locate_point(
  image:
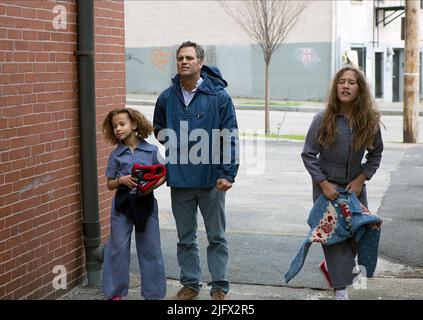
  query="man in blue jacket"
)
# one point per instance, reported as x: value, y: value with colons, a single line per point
x: 195, y: 119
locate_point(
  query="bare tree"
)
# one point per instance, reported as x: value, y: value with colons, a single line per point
x: 266, y: 22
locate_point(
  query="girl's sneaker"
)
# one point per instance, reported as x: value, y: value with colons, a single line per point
x: 116, y: 298
x: 325, y: 273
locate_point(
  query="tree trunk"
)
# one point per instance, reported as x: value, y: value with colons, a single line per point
x: 411, y: 72
x: 266, y: 100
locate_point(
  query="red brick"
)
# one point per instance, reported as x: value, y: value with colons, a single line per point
x: 31, y: 77
x: 47, y: 257
x: 6, y: 188
x: 42, y: 57
x: 10, y: 199
x: 12, y: 264
x: 14, y: 34
x: 7, y: 22
x: 25, y: 88
x: 19, y: 272
x: 15, y: 100
x: 19, y: 250
x: 30, y: 98
x: 19, y: 217
x: 22, y: 24
x: 36, y: 25
x: 29, y: 236
x: 35, y: 45
x: 34, y: 129
x: 24, y: 68
x: 33, y: 244
x: 42, y: 216
x: 56, y: 36
x: 5, y: 278
x: 33, y: 140
x: 29, y: 35
x: 25, y: 226
x: 14, y: 11
x: 31, y: 119
x: 43, y: 36
x: 9, y: 68
x: 32, y: 266
x: 39, y: 87
x: 14, y: 122
x: 4, y: 234
x: 29, y: 276
x: 50, y: 46
x: 29, y: 13
x: 10, y: 89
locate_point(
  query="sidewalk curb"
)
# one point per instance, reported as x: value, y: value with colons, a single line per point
x: 274, y: 108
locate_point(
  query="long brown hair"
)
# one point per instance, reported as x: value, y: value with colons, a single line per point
x: 366, y: 118
x: 143, y: 130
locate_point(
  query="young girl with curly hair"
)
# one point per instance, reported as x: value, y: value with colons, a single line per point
x: 128, y: 129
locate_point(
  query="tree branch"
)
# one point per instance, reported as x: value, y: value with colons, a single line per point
x: 266, y: 22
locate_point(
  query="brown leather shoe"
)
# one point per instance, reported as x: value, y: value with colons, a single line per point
x: 186, y: 294
x: 218, y: 295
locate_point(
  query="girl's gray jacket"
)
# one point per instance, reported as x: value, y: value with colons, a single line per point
x: 339, y: 163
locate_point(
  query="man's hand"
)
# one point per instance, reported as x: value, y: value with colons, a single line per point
x: 329, y: 190
x: 356, y: 185
x: 223, y: 185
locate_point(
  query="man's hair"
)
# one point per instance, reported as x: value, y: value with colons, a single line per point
x: 198, y: 50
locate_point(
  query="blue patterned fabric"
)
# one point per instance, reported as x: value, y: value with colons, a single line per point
x: 335, y: 221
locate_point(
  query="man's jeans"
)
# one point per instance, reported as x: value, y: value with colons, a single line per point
x: 211, y: 202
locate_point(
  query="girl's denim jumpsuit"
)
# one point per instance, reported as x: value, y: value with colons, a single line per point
x: 118, y: 249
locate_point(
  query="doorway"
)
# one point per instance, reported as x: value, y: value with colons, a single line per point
x: 379, y: 75
x: 398, y: 75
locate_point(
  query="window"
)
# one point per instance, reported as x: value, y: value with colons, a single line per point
x: 361, y: 55
x: 379, y: 74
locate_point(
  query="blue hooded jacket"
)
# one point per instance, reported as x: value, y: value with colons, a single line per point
x: 196, y: 160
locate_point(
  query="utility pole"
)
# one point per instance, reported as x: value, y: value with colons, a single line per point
x: 411, y: 72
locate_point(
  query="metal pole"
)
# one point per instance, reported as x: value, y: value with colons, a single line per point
x: 86, y: 77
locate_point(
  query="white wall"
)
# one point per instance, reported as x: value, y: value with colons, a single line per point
x: 167, y: 23
x: 354, y: 21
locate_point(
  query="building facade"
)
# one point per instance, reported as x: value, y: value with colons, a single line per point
x: 40, y: 177
x: 326, y: 33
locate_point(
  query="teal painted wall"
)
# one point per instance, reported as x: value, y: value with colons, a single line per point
x: 299, y: 71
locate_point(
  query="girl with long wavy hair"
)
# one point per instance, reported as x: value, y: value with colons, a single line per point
x: 337, y: 141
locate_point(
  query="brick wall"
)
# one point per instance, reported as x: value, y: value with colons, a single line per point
x: 40, y: 193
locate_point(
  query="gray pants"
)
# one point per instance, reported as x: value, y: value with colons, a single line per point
x: 340, y: 257
x: 211, y: 202
x: 340, y: 263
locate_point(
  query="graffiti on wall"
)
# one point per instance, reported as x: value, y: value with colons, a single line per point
x: 308, y: 56
x: 160, y: 58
